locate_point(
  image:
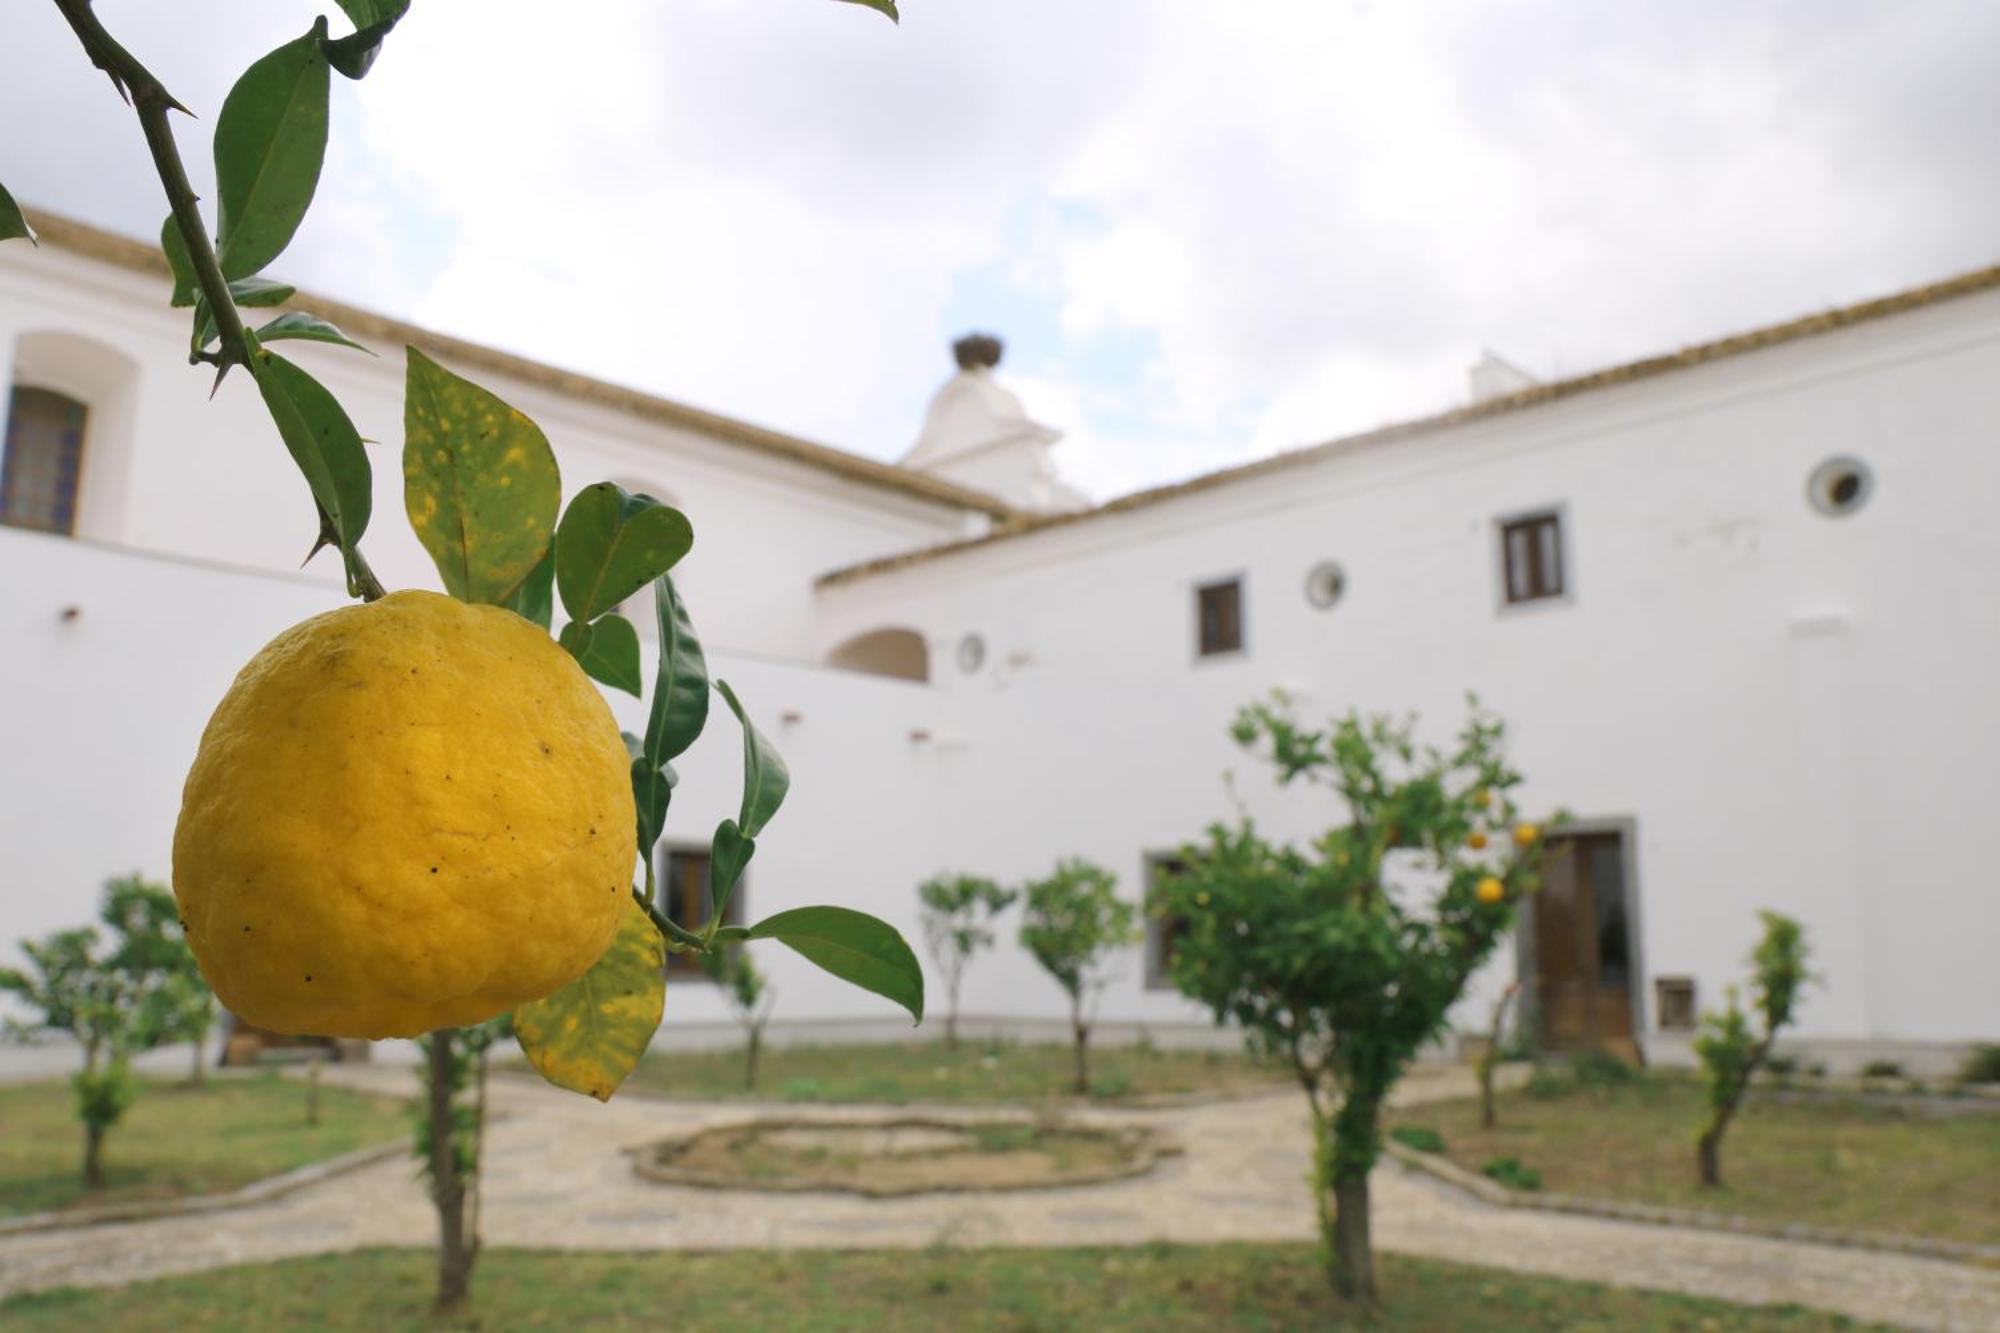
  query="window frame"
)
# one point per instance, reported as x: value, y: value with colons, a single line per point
x: 69, y: 462
x: 685, y: 966
x: 1556, y: 514
x: 1198, y: 588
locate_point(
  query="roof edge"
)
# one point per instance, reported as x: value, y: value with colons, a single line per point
x: 92, y: 242
x: 1687, y: 358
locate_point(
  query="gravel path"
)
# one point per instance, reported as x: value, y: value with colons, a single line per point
x: 557, y: 1177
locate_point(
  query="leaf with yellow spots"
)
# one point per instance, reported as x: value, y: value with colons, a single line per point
x: 590, y: 1034
x: 479, y: 482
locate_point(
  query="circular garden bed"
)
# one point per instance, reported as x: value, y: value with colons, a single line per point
x: 902, y: 1155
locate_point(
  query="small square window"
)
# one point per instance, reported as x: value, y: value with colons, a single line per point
x: 686, y: 892
x: 1673, y: 1001
x: 1531, y: 557
x: 1162, y: 932
x: 1219, y: 617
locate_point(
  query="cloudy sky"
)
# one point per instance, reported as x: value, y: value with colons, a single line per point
x: 1207, y: 231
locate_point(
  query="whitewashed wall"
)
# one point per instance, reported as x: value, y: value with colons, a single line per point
x: 167, y: 469
x: 1799, y: 712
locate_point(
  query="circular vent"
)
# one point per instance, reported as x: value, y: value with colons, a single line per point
x: 1840, y: 486
x: 1325, y: 582
x: 971, y: 653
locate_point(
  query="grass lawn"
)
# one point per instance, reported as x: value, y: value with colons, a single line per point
x: 1837, y: 1163
x: 178, y: 1139
x: 1156, y: 1288
x: 926, y: 1072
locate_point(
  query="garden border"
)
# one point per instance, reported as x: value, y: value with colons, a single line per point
x: 1451, y: 1173
x: 256, y: 1192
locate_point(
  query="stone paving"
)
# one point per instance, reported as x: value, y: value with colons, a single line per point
x: 558, y: 1176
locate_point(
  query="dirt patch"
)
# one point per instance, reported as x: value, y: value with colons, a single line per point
x: 904, y: 1155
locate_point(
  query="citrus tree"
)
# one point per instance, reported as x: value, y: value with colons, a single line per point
x: 378, y: 838
x: 1342, y: 957
x: 958, y: 912
x: 750, y: 998
x: 1074, y: 923
x: 178, y: 1005
x: 1730, y: 1051
x: 107, y: 991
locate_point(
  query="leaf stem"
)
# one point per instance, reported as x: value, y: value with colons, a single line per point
x: 675, y: 934
x: 150, y: 99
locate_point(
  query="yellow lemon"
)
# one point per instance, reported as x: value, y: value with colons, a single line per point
x: 403, y: 816
x: 1476, y: 841
x: 1491, y: 890
x: 1525, y: 835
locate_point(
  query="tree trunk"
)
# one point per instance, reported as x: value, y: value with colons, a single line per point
x: 1353, y: 1248
x: 93, y: 1156
x: 1082, y: 1031
x: 199, y: 1073
x: 951, y: 1020
x: 1708, y: 1156
x: 312, y: 1090
x: 750, y: 1059
x: 454, y: 1273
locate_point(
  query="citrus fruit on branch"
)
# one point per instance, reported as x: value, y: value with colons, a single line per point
x: 405, y: 815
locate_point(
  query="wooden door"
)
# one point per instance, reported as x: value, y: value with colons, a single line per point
x: 1583, y: 976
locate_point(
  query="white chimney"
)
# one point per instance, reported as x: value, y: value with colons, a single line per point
x: 977, y: 434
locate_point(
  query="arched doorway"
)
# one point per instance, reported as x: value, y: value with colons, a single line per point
x: 900, y: 654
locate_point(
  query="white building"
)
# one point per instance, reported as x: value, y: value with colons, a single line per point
x: 1737, y: 605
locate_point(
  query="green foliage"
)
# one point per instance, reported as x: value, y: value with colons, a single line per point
x: 175, y: 1004
x: 103, y: 1096
x: 465, y: 1073
x: 611, y: 544
x: 765, y: 782
x: 1983, y: 1065
x: 957, y: 912
x: 852, y: 945
x: 750, y: 997
x: 1601, y: 1069
x: 354, y: 54
x: 1510, y: 1172
x: 269, y: 142
x: 325, y: 445
x: 14, y: 226
x: 1418, y: 1137
x: 480, y: 483
x: 1073, y: 922
x: 608, y: 649
x: 1729, y: 1049
x: 1320, y: 953
x: 1882, y: 1069
x: 887, y: 7
x: 297, y: 324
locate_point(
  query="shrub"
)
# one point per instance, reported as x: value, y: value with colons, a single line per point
x: 1549, y: 1082
x: 1111, y: 1085
x: 1730, y: 1051
x: 1418, y: 1137
x: 1983, y: 1065
x: 1508, y: 1171
x: 1882, y: 1069
x: 1601, y: 1069
x: 1782, y: 1066
x: 1073, y: 923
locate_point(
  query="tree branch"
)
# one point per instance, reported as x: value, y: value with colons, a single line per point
x: 673, y: 932
x: 150, y: 99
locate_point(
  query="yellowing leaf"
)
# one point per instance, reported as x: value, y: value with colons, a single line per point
x: 590, y: 1034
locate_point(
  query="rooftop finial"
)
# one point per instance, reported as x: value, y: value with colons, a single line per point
x: 976, y: 350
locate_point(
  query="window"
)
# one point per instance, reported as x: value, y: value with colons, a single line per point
x: 43, y: 459
x: 1162, y: 932
x: 1532, y: 557
x: 1219, y: 618
x: 1673, y: 1000
x: 687, y: 895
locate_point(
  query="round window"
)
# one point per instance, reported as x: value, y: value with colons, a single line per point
x: 1840, y: 486
x: 971, y: 653
x: 1325, y: 582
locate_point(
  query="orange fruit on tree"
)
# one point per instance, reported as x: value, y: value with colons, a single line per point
x: 1491, y: 891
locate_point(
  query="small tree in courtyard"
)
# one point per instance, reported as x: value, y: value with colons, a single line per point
x: 1072, y: 922
x: 750, y: 996
x: 177, y: 1004
x: 109, y: 995
x: 450, y: 1138
x: 958, y: 911
x: 1730, y: 1051
x: 1337, y: 959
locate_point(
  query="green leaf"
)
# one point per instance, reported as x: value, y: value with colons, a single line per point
x: 652, y: 791
x: 607, y: 648
x: 612, y: 544
x: 590, y: 1034
x: 269, y: 143
x: 298, y: 324
x: 728, y: 853
x: 479, y: 483
x: 322, y: 441
x: 353, y: 54
x: 261, y: 292
x: 765, y: 777
x: 535, y: 598
x: 12, y: 224
x: 880, y: 7
x: 680, y: 688
x: 853, y: 946
x: 176, y: 252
